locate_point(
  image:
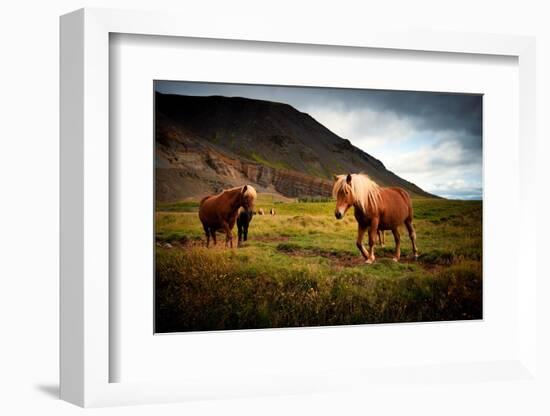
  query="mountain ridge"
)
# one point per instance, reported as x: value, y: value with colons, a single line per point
x: 207, y: 143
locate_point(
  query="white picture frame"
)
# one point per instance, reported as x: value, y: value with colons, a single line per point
x: 85, y: 265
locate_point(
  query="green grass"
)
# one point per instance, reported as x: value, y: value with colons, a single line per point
x: 277, y: 165
x: 301, y: 268
x: 184, y: 206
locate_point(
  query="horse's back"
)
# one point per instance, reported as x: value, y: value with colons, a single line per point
x: 402, y: 193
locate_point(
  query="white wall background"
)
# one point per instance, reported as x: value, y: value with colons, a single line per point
x: 29, y: 206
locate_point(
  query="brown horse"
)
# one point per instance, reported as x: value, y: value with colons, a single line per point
x: 219, y: 212
x: 376, y: 209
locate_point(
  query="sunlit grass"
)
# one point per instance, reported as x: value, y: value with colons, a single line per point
x: 301, y: 268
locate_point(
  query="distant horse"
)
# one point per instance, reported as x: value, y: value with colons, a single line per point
x: 376, y: 209
x: 261, y: 211
x: 272, y: 211
x: 219, y: 212
x: 244, y: 217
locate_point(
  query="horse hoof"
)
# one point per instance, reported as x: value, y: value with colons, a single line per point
x: 369, y: 261
x: 395, y: 259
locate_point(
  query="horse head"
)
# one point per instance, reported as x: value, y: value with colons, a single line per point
x: 248, y: 197
x: 343, y: 192
x: 357, y: 190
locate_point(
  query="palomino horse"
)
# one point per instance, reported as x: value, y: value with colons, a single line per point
x: 244, y: 217
x: 219, y: 212
x: 376, y: 209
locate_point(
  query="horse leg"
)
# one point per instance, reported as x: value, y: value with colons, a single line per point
x: 373, y: 232
x: 412, y: 235
x: 397, y: 239
x: 245, y: 232
x: 381, y: 238
x: 229, y: 236
x: 213, y: 234
x: 207, y: 232
x: 240, y: 232
x: 360, y: 235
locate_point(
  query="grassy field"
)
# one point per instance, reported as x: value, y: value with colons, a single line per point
x: 301, y: 268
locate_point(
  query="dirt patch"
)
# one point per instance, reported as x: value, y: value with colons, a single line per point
x: 181, y: 242
x: 346, y: 259
x: 188, y: 242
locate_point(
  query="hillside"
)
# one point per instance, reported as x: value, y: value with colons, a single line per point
x: 205, y: 144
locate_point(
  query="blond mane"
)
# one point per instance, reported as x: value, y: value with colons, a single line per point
x: 250, y: 193
x: 365, y: 192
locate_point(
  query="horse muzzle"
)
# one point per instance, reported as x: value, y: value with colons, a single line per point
x: 338, y: 215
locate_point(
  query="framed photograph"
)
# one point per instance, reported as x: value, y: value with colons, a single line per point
x: 272, y: 214
x: 266, y: 162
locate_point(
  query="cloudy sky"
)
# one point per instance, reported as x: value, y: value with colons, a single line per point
x: 431, y: 139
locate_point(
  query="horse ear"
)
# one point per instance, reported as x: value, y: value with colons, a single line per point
x: 348, y: 178
x: 335, y: 177
x: 244, y: 188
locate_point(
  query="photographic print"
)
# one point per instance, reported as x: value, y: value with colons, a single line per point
x: 288, y: 206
